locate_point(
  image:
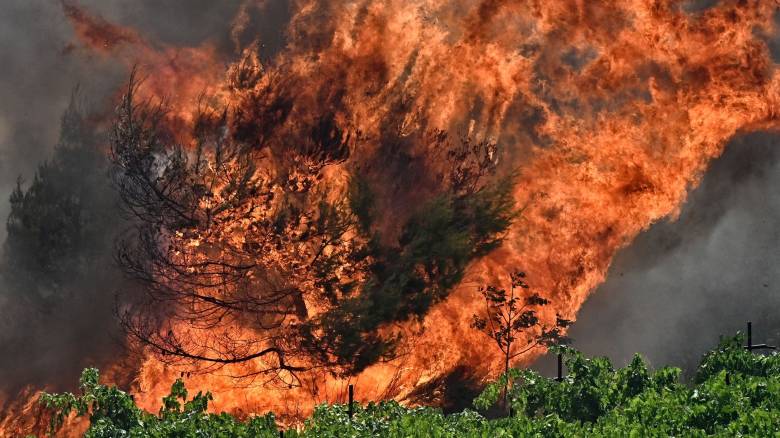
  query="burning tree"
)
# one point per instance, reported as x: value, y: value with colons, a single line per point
x: 511, y: 318
x: 253, y: 253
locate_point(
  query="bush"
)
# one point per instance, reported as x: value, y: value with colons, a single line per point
x: 594, y: 399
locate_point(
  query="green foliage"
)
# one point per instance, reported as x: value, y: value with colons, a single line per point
x: 361, y: 202
x: 113, y: 413
x: 593, y: 400
x: 730, y: 355
x: 404, y: 279
x: 598, y: 400
x: 591, y: 389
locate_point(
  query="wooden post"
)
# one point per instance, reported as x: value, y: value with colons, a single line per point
x: 560, y: 367
x: 350, y: 409
x: 750, y: 345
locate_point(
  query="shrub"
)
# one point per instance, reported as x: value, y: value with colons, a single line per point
x: 594, y: 399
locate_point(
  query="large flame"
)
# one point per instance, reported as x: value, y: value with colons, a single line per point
x: 609, y: 111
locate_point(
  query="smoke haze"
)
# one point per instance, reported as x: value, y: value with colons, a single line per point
x: 42, y: 66
x: 683, y: 283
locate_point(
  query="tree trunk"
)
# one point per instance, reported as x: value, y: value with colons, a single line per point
x: 506, y: 387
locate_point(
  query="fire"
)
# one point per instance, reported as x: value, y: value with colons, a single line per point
x: 182, y: 76
x: 610, y: 112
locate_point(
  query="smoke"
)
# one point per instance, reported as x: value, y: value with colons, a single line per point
x: 43, y: 64
x: 697, y: 6
x: 35, y: 86
x: 685, y: 282
x: 36, y: 83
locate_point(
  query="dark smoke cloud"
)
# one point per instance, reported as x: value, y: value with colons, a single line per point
x: 682, y: 284
x: 696, y: 6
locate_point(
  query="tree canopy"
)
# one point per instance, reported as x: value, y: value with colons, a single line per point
x: 251, y: 250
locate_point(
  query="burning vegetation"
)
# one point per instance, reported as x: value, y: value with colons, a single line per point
x: 274, y: 256
x: 325, y: 216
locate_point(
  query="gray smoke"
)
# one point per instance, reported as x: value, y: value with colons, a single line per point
x: 40, y: 69
x: 682, y: 284
x: 42, y: 64
x: 36, y: 81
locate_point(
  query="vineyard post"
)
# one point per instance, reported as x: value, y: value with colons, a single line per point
x: 560, y: 367
x: 750, y: 345
x: 350, y: 409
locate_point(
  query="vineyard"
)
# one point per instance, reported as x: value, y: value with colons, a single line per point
x: 734, y: 392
